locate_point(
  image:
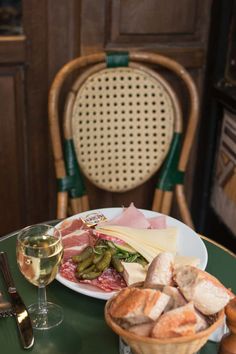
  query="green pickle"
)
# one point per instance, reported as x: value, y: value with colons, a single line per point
x: 97, y: 258
x: 87, y: 252
x: 104, y: 262
x: 85, y: 263
x: 91, y: 275
x: 117, y: 264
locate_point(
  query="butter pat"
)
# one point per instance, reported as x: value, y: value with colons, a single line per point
x: 133, y: 273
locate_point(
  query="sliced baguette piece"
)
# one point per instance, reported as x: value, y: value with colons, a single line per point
x: 176, y: 323
x: 135, y: 306
x: 160, y: 271
x: 207, y: 293
x: 142, y: 329
x: 202, y: 322
x: 176, y: 298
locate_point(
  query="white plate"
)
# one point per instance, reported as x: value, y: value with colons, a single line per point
x: 189, y: 244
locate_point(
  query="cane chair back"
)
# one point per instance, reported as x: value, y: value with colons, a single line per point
x: 122, y: 122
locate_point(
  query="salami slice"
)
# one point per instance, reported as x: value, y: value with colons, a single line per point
x: 110, y: 280
x: 67, y: 271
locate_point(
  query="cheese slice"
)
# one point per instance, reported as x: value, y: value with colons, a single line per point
x: 149, y: 242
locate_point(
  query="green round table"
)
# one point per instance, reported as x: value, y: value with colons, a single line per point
x: 84, y: 330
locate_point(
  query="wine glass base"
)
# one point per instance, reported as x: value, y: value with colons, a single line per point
x: 45, y: 318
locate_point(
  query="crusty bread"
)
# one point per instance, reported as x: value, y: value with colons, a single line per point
x: 207, y: 293
x: 175, y: 323
x: 176, y: 298
x: 143, y: 329
x: 135, y: 306
x: 202, y: 322
x: 160, y: 271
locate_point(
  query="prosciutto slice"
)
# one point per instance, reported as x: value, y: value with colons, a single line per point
x: 69, y: 226
x: 76, y: 238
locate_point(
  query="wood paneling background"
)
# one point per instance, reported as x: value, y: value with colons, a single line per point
x: 55, y: 32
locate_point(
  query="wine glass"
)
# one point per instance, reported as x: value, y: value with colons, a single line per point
x: 39, y: 252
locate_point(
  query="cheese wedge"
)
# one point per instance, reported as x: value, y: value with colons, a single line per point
x: 133, y: 273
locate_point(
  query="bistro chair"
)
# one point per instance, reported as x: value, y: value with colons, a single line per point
x: 122, y: 123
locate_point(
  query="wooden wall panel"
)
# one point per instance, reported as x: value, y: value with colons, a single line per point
x: 13, y: 190
x: 137, y: 18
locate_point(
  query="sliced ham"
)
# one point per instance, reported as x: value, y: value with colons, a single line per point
x: 131, y: 217
x: 158, y: 222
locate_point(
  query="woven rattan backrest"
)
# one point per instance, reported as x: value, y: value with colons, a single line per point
x: 122, y: 124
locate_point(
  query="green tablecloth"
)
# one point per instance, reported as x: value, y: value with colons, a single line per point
x: 84, y: 330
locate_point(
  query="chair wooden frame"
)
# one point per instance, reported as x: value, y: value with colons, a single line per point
x: 162, y: 199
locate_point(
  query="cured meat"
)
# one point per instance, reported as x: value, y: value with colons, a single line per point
x: 131, y: 217
x: 158, y: 222
x: 69, y: 226
x: 110, y: 280
x: 109, y: 238
x: 67, y: 271
x: 76, y: 238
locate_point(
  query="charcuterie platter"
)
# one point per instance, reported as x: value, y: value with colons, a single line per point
x: 142, y: 231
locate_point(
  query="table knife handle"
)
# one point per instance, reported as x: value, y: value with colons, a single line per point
x: 4, y: 265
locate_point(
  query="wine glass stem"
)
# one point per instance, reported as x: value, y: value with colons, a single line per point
x: 42, y: 299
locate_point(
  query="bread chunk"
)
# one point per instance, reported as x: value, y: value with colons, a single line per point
x: 176, y: 298
x: 135, y: 306
x: 160, y: 271
x: 142, y: 329
x: 207, y: 293
x: 175, y: 323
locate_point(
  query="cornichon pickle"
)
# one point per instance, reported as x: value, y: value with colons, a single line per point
x: 91, y: 275
x: 87, y: 252
x: 117, y: 264
x: 86, y: 270
x: 104, y: 262
x: 97, y: 258
x: 85, y: 263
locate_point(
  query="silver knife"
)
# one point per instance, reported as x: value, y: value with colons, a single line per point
x: 20, y: 311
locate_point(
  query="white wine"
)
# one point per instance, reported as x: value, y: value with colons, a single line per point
x: 39, y: 258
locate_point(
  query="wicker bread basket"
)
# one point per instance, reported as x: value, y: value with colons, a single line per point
x: 148, y: 345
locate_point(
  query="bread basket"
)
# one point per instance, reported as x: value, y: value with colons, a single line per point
x: 178, y: 345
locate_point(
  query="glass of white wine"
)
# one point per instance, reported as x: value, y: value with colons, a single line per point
x: 39, y: 252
